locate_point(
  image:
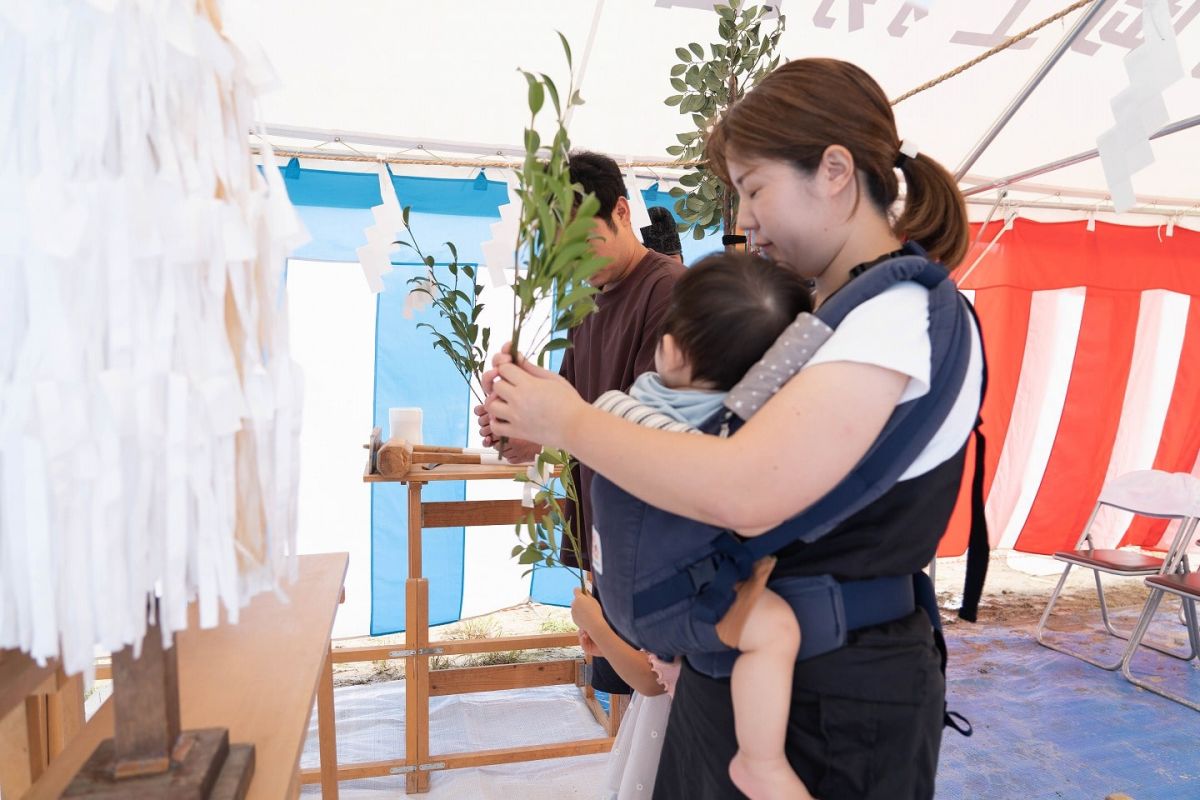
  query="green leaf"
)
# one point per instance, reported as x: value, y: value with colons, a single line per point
x: 725, y: 11
x: 404, y: 213
x: 697, y: 49
x: 516, y: 550
x: 675, y: 150
x: 552, y: 90
x: 429, y: 262
x: 566, y: 47
x: 698, y: 233
x: 537, y: 97
x: 678, y: 85
x: 674, y: 99
x: 683, y: 54
x: 532, y: 140
x: 678, y: 70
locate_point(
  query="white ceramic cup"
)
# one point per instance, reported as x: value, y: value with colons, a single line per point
x: 405, y: 423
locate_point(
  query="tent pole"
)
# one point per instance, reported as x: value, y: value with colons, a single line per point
x: 1155, y: 211
x: 1079, y: 27
x: 587, y: 54
x: 1078, y: 158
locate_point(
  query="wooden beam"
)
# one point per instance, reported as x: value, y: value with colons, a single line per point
x: 501, y: 644
x: 455, y: 647
x: 513, y: 755
x: 482, y: 758
x: 503, y: 676
x: 476, y: 512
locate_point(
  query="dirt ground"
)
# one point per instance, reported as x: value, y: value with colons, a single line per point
x: 1014, y: 596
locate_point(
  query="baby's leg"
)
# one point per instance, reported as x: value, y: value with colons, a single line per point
x: 762, y: 688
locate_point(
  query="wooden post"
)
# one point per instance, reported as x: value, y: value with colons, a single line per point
x: 148, y: 755
x: 147, y: 712
x: 416, y: 638
x: 327, y: 732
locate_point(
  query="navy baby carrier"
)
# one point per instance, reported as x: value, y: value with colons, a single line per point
x: 667, y: 580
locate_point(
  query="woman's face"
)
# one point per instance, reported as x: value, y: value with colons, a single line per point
x: 798, y: 220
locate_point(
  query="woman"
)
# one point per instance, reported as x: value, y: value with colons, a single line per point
x: 813, y: 153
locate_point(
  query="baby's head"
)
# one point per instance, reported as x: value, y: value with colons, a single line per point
x: 725, y: 313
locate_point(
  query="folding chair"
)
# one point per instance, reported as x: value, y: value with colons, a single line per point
x: 1184, y: 584
x: 1147, y: 493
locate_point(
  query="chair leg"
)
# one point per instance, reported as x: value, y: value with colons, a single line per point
x: 1041, y: 628
x: 1043, y: 640
x: 1143, y: 625
x: 1104, y: 608
x: 1193, y: 629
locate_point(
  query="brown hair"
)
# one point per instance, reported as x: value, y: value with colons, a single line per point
x: 807, y: 105
x: 728, y: 309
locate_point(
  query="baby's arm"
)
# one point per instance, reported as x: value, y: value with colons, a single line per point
x: 630, y: 663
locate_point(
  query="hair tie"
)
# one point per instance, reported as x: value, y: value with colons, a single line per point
x: 907, y: 150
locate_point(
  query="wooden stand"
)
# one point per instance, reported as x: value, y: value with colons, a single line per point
x: 149, y: 756
x: 418, y: 762
x: 259, y: 678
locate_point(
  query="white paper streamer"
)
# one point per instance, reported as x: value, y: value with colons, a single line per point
x: 639, y: 216
x: 148, y: 406
x: 1139, y: 109
x: 498, y: 251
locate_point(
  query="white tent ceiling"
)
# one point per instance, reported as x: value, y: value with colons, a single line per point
x: 430, y: 71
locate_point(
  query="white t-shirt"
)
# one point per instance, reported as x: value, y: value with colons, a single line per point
x: 891, y: 330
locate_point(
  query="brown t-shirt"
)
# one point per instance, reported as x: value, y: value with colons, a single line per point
x: 615, y: 345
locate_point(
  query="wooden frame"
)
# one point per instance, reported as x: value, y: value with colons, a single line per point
x: 36, y: 726
x: 422, y: 684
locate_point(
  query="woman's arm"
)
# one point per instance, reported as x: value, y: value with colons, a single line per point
x: 800, y: 445
x: 630, y: 663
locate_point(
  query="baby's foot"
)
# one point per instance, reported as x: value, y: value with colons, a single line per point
x: 767, y: 778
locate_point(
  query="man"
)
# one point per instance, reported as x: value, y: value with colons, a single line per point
x: 615, y: 344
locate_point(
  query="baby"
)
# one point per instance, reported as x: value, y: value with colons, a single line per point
x: 725, y: 313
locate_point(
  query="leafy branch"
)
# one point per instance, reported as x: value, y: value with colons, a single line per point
x: 554, y: 240
x: 555, y: 227
x: 540, y: 542
x: 467, y: 343
x: 706, y: 91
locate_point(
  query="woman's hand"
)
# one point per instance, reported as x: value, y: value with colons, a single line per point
x: 528, y: 402
x: 586, y: 613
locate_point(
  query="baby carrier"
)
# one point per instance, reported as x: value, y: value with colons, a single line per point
x: 667, y: 580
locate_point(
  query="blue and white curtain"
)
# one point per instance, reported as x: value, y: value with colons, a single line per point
x: 470, y: 571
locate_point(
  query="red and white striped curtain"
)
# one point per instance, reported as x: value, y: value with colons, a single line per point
x: 1093, y: 346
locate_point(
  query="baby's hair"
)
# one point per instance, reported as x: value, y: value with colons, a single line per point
x: 727, y: 311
